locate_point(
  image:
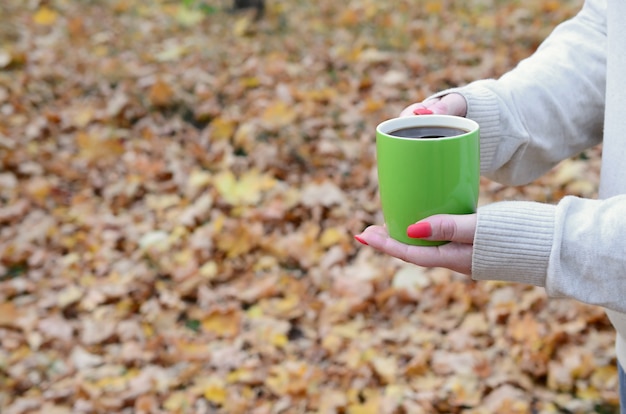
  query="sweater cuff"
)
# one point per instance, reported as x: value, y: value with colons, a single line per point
x: 482, y: 107
x: 513, y: 242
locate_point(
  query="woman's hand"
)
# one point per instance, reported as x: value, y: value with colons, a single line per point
x: 451, y: 104
x: 458, y: 229
x: 456, y: 255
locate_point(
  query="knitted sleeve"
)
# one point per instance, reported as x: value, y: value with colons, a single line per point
x: 548, y: 108
x: 578, y: 244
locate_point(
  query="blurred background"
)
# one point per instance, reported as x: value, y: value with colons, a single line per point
x: 179, y: 186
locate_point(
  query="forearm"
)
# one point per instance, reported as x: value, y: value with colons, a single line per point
x: 574, y: 249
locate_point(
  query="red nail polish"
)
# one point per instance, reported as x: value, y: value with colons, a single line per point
x: 360, y: 240
x: 419, y: 230
x: 422, y: 111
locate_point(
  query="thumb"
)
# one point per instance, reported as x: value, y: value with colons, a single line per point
x: 451, y: 104
x: 445, y: 227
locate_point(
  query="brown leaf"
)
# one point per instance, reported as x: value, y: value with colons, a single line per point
x: 9, y: 315
x: 161, y: 93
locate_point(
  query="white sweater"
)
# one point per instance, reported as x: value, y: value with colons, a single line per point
x: 568, y: 96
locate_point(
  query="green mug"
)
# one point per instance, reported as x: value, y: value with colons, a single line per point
x: 427, y: 164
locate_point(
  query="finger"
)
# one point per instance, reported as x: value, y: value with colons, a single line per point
x: 431, y: 106
x: 456, y: 228
x: 450, y: 104
x: 411, y: 109
x: 454, y: 256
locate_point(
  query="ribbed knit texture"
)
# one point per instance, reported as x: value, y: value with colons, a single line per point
x: 513, y: 242
x: 482, y: 107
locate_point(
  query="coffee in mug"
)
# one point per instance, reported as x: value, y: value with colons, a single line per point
x: 426, y: 132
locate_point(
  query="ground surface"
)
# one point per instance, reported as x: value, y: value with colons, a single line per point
x: 179, y: 187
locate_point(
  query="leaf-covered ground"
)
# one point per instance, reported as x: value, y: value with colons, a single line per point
x: 179, y: 187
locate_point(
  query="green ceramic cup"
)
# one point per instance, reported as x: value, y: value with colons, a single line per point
x: 420, y: 177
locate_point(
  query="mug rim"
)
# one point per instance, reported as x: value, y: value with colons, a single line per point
x: 435, y: 120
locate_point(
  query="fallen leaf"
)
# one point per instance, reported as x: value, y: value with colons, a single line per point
x: 161, y: 94
x: 222, y: 322
x: 9, y: 315
x: 94, y: 148
x: 45, y: 16
x: 245, y: 190
x: 278, y: 114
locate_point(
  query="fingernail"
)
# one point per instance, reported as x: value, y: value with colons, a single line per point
x: 422, y: 111
x: 419, y: 230
x: 360, y: 240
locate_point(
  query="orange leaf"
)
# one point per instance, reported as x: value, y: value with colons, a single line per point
x: 161, y: 94
x: 8, y: 315
x: 93, y: 148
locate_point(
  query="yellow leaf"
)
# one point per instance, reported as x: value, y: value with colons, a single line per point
x: 183, y: 257
x: 191, y: 351
x: 369, y: 407
x: 386, y: 368
x: 486, y: 22
x: 178, y: 401
x: 215, y: 391
x: 526, y: 329
x: 222, y: 128
x: 242, y: 26
x: 551, y: 6
x: 434, y: 7
x: 198, y: 179
x: 237, y: 241
x: 45, y: 16
x: 349, y: 330
x: 331, y: 401
x: 603, y: 375
x: 331, y: 236
x: 172, y: 53
x: 332, y: 343
x: 241, y: 375
x: 39, y: 188
x: 68, y: 296
x: 279, y: 340
x: 247, y: 190
x: 245, y: 137
x: 286, y: 304
x: 83, y: 116
x: 208, y: 270
x: 289, y: 378
x: 189, y: 17
x: 373, y: 105
x: 318, y: 94
x: 588, y: 393
x: 265, y: 263
x: 278, y: 115
x: 224, y: 323
x: 254, y: 312
x: 250, y: 82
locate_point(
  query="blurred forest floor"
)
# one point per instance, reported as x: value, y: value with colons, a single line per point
x: 179, y: 187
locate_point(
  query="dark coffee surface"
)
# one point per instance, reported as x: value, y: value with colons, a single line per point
x: 427, y: 132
